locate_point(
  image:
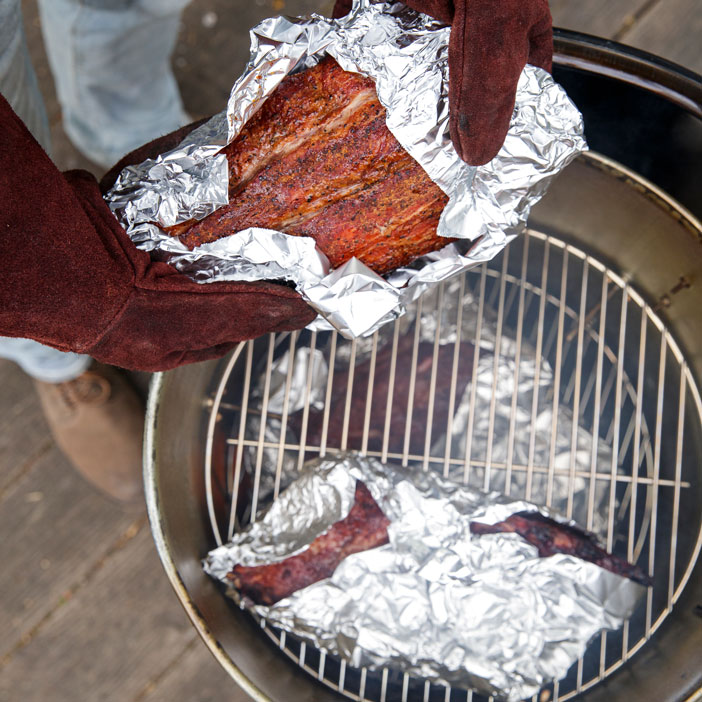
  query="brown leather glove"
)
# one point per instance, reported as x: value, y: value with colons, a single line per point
x: 491, y: 42
x: 72, y: 279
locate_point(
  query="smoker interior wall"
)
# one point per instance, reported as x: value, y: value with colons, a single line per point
x: 642, y: 130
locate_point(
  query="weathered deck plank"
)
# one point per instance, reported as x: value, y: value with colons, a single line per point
x: 24, y: 435
x: 603, y: 18
x: 195, y: 676
x: 673, y: 30
x: 55, y: 528
x: 107, y: 643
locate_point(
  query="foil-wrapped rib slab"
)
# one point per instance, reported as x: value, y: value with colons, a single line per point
x: 406, y: 53
x: 436, y: 602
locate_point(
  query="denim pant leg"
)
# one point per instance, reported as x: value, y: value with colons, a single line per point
x: 111, y: 65
x: 18, y: 84
x: 42, y: 362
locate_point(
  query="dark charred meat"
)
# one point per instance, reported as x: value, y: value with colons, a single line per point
x: 364, y: 527
x: 400, y: 397
x: 551, y: 537
x: 317, y: 160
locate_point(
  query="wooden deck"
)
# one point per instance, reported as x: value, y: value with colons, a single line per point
x: 86, y: 611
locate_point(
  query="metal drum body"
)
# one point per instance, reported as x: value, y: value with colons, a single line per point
x: 641, y: 253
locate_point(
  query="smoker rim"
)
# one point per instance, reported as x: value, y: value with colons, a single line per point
x: 627, y: 64
x: 150, y: 467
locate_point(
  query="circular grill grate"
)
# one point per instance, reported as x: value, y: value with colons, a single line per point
x: 543, y: 314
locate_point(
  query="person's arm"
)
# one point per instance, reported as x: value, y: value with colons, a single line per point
x: 491, y: 41
x: 72, y: 279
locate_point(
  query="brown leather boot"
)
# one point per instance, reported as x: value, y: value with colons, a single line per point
x: 97, y: 420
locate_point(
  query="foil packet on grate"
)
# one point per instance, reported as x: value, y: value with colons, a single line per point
x: 508, y: 384
x: 406, y: 54
x: 444, y: 599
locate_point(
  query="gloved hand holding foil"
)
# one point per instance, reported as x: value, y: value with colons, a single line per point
x: 491, y: 42
x: 73, y: 280
x: 316, y: 161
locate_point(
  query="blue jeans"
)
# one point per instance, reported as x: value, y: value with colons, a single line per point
x: 110, y: 61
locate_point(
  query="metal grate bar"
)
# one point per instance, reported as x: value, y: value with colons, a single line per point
x: 557, y: 379
x: 473, y: 385
x: 517, y: 359
x: 579, y: 676
x: 617, y: 422
x: 349, y: 396
x: 576, y: 390
x: 413, y: 380
x: 362, y: 684
x: 596, y: 407
x: 676, y: 494
x: 242, y: 430
x: 369, y: 394
x: 262, y: 430
x: 615, y: 449
x: 656, y: 474
x: 516, y: 467
x: 432, y: 380
x: 454, y: 376
x: 284, y: 417
x: 537, y: 372
x: 213, y: 419
x: 635, y: 462
x: 391, y: 387
x: 328, y: 394
x: 342, y: 675
x: 495, y: 367
x: 322, y: 663
x: 306, y: 400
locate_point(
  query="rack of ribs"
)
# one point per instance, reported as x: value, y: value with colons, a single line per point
x: 551, y: 537
x: 423, y: 371
x: 317, y: 160
x: 366, y: 527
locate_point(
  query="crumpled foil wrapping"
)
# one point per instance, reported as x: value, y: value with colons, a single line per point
x: 499, y: 378
x: 406, y: 54
x: 435, y: 602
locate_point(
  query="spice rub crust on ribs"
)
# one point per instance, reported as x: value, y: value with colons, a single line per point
x: 364, y: 527
x: 317, y: 160
x: 551, y: 537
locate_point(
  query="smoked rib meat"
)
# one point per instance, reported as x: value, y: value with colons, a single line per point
x: 317, y: 160
x: 364, y: 527
x: 551, y: 537
x: 396, y: 385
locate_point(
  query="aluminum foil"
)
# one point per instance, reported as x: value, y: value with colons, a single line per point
x: 503, y: 374
x: 435, y: 602
x: 406, y: 54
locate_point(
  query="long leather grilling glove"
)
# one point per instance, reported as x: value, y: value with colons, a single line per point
x: 491, y: 41
x: 72, y: 279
